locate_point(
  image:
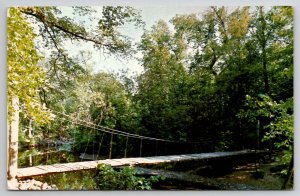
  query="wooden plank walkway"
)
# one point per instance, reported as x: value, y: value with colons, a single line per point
x: 68, y: 167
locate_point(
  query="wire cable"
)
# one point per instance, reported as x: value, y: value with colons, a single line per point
x: 113, y: 131
x: 117, y: 132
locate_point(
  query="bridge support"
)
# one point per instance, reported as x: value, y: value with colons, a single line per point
x: 125, y: 153
x: 13, y: 133
x: 110, y: 146
x: 141, y: 147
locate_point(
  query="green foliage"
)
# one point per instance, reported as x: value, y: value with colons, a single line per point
x: 55, y: 28
x: 162, y: 88
x: 67, y: 182
x: 282, y: 125
x: 82, y: 180
x: 197, y: 76
x: 112, y: 18
x: 100, y: 99
x: 236, y: 54
x: 71, y: 89
x: 126, y: 179
x: 260, y: 107
x: 25, y: 76
x: 279, y: 128
x: 280, y: 116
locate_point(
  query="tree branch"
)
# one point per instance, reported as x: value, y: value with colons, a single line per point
x: 77, y: 35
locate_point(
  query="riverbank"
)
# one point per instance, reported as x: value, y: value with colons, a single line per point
x: 30, y: 184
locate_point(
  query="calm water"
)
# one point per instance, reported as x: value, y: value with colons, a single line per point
x: 47, y: 155
x: 52, y: 155
x: 34, y: 157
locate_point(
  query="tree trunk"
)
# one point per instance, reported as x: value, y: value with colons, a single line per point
x: 30, y: 159
x: 29, y: 140
x: 263, y: 43
x: 30, y: 130
x: 266, y: 78
x: 13, y: 131
x: 289, y: 174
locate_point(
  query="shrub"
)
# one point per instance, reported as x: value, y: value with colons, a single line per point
x: 126, y: 179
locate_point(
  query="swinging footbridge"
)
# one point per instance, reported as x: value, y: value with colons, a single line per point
x: 88, y: 165
x: 127, y: 161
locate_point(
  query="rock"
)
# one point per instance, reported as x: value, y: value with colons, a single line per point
x: 24, y: 186
x: 38, y: 183
x: 30, y: 184
x: 44, y: 186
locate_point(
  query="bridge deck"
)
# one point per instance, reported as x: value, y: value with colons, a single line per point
x: 68, y: 167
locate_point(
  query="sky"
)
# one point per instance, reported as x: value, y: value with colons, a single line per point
x: 150, y: 15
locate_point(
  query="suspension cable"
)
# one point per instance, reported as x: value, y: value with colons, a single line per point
x: 114, y: 131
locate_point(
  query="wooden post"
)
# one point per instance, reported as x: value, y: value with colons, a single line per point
x: 94, y: 143
x: 141, y: 147
x: 156, y: 146
x: 47, y: 157
x: 30, y: 159
x: 13, y: 140
x: 110, y: 146
x: 125, y: 154
x: 99, y: 149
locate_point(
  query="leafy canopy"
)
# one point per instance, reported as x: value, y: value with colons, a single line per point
x: 25, y: 76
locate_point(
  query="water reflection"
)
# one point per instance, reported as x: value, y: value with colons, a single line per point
x: 48, y: 156
x: 77, y: 180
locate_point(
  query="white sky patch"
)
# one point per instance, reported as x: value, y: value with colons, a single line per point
x: 150, y: 15
x: 109, y: 63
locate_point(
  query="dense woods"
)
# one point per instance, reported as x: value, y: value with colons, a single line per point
x: 220, y: 80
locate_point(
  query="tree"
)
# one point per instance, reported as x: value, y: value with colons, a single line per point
x: 25, y: 76
x: 106, y: 36
x: 279, y: 131
x: 232, y: 54
x: 161, y: 88
x: 217, y: 66
x: 66, y: 72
